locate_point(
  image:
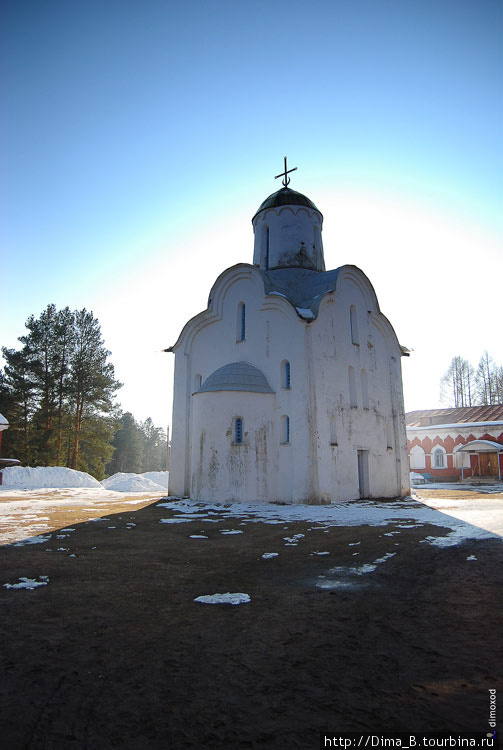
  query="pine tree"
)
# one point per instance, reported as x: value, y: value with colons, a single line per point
x: 92, y: 378
x: 18, y: 403
x: 57, y: 392
x: 154, y: 446
x: 128, y: 444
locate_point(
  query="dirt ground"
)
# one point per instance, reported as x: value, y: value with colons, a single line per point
x: 114, y: 653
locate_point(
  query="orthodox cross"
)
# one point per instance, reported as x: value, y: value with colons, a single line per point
x: 285, y: 180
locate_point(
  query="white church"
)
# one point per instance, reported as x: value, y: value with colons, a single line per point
x: 288, y: 386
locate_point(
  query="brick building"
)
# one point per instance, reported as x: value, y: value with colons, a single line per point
x: 453, y: 444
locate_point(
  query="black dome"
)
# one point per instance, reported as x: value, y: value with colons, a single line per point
x: 286, y: 197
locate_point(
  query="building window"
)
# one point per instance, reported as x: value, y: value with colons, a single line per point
x: 352, y: 387
x: 389, y: 437
x: 285, y: 375
x: 241, y: 322
x: 365, y: 389
x: 238, y: 430
x: 267, y: 248
x: 439, y: 458
x: 353, y: 320
x: 333, y: 431
x: 198, y: 381
x: 417, y: 457
x: 285, y: 429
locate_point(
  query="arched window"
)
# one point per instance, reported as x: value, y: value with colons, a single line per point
x: 352, y: 387
x: 285, y: 374
x: 241, y: 322
x: 333, y: 431
x: 285, y: 429
x: 389, y: 436
x: 417, y: 458
x: 238, y: 430
x: 198, y: 380
x: 266, y: 248
x: 439, y: 458
x: 365, y: 389
x: 353, y: 321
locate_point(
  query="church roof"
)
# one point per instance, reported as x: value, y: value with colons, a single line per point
x: 237, y: 376
x: 302, y: 287
x: 461, y: 414
x: 286, y: 197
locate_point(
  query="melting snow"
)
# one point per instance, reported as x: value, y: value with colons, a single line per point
x: 33, y: 540
x: 343, y: 574
x: 27, y: 583
x: 269, y: 555
x: 407, y: 512
x: 227, y: 598
x: 228, y: 532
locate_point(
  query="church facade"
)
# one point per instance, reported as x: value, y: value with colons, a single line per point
x: 288, y: 386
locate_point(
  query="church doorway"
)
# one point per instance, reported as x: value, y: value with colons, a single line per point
x: 363, y: 473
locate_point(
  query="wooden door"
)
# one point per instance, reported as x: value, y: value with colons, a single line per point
x: 489, y: 464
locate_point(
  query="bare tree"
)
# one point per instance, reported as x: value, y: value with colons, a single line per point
x: 457, y: 386
x: 486, y: 380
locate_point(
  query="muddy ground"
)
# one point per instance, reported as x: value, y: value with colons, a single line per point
x: 114, y: 653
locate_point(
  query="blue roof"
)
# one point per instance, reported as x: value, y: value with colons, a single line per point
x: 237, y: 376
x: 303, y: 287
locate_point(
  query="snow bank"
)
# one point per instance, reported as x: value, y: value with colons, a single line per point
x: 122, y: 482
x: 158, y: 477
x: 28, y: 478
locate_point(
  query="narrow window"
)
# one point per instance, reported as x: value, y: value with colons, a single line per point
x: 267, y: 248
x: 389, y: 438
x: 439, y: 461
x: 352, y: 387
x: 238, y: 431
x: 365, y: 389
x: 353, y: 320
x: 285, y: 429
x: 333, y: 431
x: 285, y: 374
x: 198, y: 381
x: 241, y: 327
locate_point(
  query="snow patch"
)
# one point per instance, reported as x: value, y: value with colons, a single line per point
x: 27, y: 583
x: 227, y: 598
x: 33, y: 540
x: 269, y: 555
x: 228, y: 532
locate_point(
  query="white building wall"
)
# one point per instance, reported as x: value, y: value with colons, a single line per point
x: 206, y: 464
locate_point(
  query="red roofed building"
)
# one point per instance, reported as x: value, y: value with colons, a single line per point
x: 451, y: 444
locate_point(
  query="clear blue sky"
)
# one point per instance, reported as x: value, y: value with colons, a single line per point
x: 139, y: 131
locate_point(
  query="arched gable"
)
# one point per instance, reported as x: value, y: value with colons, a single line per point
x: 214, y: 311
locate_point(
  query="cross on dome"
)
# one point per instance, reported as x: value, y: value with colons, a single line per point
x: 285, y: 180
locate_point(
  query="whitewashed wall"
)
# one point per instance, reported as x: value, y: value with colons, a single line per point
x: 204, y: 461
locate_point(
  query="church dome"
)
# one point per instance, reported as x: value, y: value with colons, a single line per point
x: 286, y: 197
x: 237, y: 376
